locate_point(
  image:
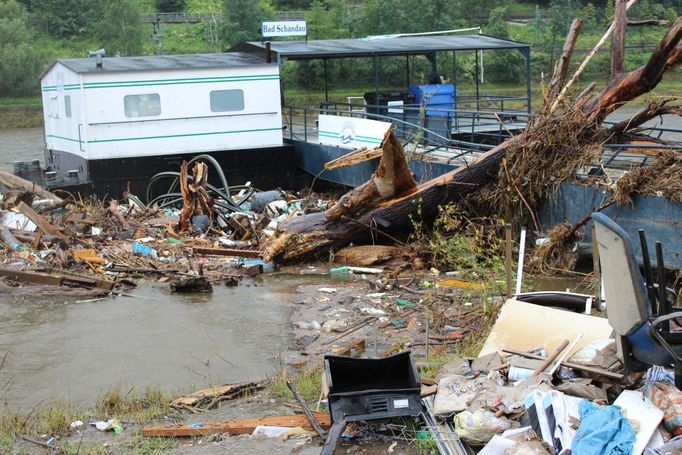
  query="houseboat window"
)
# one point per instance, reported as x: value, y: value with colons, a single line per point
x: 147, y: 105
x: 227, y: 100
x: 67, y: 105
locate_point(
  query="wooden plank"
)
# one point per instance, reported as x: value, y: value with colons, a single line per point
x: 575, y: 366
x: 237, y: 426
x: 55, y: 279
x: 32, y: 277
x: 41, y: 222
x: 16, y: 182
x: 227, y: 252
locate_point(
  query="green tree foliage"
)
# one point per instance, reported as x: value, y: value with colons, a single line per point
x: 20, y: 61
x: 475, y: 10
x: 380, y: 17
x: 242, y: 18
x: 120, y: 31
x: 502, y: 65
x: 170, y: 6
x: 64, y: 18
x: 327, y: 19
x: 588, y: 13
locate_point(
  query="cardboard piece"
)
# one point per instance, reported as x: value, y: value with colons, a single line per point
x: 526, y: 326
x: 636, y: 407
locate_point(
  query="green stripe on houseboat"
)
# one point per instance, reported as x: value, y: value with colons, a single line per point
x: 148, y: 82
x: 211, y: 133
x: 64, y: 138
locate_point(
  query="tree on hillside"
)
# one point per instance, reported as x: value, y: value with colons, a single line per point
x: 120, y: 31
x: 63, y: 18
x: 327, y: 20
x: 242, y: 18
x: 408, y: 16
x: 504, y: 65
x: 20, y: 61
x: 170, y: 6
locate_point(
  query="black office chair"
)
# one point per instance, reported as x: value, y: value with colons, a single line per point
x: 642, y: 338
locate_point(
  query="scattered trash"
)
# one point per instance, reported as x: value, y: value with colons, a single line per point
x: 111, y: 424
x: 668, y: 398
x: 480, y: 426
x: 139, y: 248
x: 351, y: 269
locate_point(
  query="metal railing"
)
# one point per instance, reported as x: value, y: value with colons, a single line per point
x: 456, y: 133
x: 195, y: 18
x: 423, y: 131
x: 472, y: 126
x: 178, y: 18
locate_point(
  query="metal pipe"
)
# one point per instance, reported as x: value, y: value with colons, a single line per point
x: 519, y: 267
x: 648, y: 274
x: 664, y: 306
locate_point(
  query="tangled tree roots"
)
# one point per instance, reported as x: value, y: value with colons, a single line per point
x: 661, y: 178
x: 556, y: 146
x: 559, y: 253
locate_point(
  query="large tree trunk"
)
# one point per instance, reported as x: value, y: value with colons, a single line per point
x: 318, y: 231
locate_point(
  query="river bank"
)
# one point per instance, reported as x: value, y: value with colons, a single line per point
x: 21, y: 116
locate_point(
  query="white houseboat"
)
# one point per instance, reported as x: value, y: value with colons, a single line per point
x: 111, y: 121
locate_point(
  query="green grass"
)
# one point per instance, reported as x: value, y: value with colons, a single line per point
x: 308, y: 382
x: 21, y: 101
x: 133, y: 408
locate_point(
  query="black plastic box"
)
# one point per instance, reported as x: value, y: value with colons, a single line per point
x: 369, y: 389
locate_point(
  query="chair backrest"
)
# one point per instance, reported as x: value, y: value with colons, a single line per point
x: 627, y: 305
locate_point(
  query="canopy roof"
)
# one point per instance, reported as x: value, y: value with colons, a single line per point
x: 368, y: 47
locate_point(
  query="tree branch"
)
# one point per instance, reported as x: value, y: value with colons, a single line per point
x: 651, y: 111
x: 561, y: 68
x: 629, y: 86
x: 618, y: 44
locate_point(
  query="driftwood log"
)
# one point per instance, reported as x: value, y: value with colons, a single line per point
x: 390, y: 198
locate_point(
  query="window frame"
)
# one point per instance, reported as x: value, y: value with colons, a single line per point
x: 218, y: 109
x: 127, y: 111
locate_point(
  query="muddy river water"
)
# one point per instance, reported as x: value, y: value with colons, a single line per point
x: 79, y: 349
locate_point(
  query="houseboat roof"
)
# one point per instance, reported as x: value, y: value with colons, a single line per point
x: 159, y: 62
x: 383, y: 45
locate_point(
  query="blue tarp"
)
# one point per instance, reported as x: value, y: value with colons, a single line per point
x: 602, y: 431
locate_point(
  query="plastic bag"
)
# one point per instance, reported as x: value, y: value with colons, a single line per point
x: 669, y: 399
x: 480, y: 426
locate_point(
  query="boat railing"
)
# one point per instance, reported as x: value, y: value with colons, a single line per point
x: 475, y: 126
x: 301, y: 123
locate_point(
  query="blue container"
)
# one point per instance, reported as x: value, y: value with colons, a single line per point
x: 440, y: 100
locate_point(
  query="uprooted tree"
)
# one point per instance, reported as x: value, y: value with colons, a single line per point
x: 562, y: 136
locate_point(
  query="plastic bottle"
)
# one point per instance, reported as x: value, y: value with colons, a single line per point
x: 139, y: 248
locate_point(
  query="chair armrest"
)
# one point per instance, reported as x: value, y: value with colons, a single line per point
x: 653, y: 330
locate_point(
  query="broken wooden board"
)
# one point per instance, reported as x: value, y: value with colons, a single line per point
x: 236, y: 426
x: 210, y: 393
x: 15, y: 182
x: 364, y: 255
x: 55, y: 279
x: 526, y: 326
x: 41, y: 222
x: 88, y: 255
x: 227, y: 252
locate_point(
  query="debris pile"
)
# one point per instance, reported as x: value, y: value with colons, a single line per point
x: 199, y: 236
